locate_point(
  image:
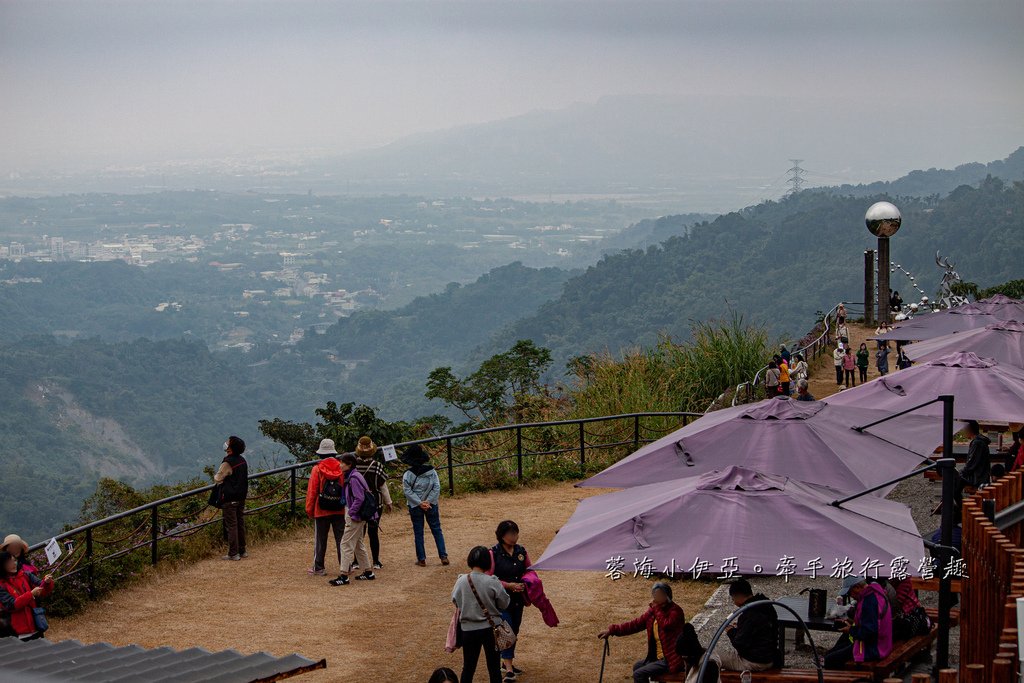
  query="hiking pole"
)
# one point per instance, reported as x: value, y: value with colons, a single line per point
x: 604, y: 654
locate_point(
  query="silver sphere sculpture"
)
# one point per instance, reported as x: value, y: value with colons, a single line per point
x: 883, y: 219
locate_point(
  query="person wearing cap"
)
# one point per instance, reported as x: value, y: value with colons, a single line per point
x: 663, y: 621
x: 233, y: 477
x: 377, y: 479
x: 754, y: 634
x: 325, y: 520
x: 14, y: 545
x: 422, y: 488
x: 868, y: 636
x: 19, y: 590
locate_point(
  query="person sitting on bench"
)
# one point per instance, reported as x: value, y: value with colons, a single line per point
x: 868, y: 637
x: 663, y: 622
x: 754, y: 634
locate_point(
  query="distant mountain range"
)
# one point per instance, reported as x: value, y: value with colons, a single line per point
x: 710, y: 153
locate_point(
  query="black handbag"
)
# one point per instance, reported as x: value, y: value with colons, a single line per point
x: 216, y: 495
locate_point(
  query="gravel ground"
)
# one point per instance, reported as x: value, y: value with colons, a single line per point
x: 921, y: 495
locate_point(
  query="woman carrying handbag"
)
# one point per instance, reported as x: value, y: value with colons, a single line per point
x: 478, y: 597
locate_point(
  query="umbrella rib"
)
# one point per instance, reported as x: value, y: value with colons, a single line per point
x: 877, y: 521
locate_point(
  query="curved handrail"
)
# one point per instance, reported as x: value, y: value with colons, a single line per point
x: 744, y: 608
x: 294, y: 468
x: 803, y: 349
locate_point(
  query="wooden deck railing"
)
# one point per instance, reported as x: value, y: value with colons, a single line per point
x: 995, y: 579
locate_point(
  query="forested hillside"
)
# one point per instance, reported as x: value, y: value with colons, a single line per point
x: 779, y: 262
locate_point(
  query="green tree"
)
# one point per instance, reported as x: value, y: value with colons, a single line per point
x: 344, y: 424
x: 504, y: 386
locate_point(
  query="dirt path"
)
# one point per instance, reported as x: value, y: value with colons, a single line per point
x: 392, y: 629
x: 822, y: 379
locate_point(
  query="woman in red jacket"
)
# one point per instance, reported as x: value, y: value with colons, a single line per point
x: 18, y: 593
x: 664, y: 621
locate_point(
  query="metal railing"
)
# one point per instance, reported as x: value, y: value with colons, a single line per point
x: 810, y: 351
x: 159, y: 524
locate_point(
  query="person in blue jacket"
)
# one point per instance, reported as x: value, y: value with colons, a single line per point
x: 422, y: 488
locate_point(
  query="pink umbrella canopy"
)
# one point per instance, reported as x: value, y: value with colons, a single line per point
x: 1002, y: 306
x: 765, y: 524
x: 806, y: 440
x: 983, y: 389
x: 1002, y: 341
x: 932, y: 325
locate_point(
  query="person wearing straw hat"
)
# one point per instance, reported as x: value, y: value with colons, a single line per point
x: 325, y: 505
x: 14, y: 545
x: 377, y: 479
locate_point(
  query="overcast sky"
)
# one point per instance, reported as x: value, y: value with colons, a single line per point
x: 86, y: 82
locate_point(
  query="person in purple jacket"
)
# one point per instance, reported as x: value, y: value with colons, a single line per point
x: 353, y: 547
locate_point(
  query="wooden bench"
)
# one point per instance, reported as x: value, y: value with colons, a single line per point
x: 780, y: 676
x: 902, y: 652
x: 920, y: 584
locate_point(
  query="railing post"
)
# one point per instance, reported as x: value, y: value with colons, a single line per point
x: 636, y: 432
x: 293, y: 483
x: 89, y: 568
x: 451, y: 475
x: 583, y: 451
x: 155, y: 531
x: 947, y: 466
x: 519, y: 453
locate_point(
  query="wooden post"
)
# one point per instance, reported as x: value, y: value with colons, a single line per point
x: 1002, y: 671
x: 948, y: 676
x: 974, y: 673
x: 921, y: 678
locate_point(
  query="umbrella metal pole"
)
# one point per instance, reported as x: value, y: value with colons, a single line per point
x: 949, y: 483
x: 847, y: 499
x: 818, y: 663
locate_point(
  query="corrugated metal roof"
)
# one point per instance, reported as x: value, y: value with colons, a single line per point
x: 45, y: 661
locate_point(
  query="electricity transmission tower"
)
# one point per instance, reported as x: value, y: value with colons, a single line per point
x: 796, y: 177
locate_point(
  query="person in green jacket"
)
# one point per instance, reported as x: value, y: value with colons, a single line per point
x: 862, y: 362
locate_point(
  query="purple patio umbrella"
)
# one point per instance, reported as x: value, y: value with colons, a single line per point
x: 1002, y: 306
x: 769, y: 524
x: 932, y: 325
x: 807, y: 440
x: 983, y: 389
x: 1002, y: 341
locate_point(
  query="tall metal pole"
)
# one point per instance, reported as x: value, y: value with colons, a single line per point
x: 869, y: 287
x: 883, y: 280
x: 947, y: 466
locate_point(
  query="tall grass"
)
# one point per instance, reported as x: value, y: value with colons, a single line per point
x: 671, y: 376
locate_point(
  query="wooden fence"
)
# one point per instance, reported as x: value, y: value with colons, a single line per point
x: 995, y: 579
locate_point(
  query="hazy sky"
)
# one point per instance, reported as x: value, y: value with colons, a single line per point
x: 86, y: 81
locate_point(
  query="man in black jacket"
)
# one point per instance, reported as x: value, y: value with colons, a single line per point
x: 978, y: 469
x: 754, y: 634
x: 233, y: 478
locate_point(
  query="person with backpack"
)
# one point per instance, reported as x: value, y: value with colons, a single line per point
x: 422, y: 488
x: 663, y: 621
x: 325, y: 504
x: 377, y: 479
x: 233, y: 479
x: 360, y: 506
